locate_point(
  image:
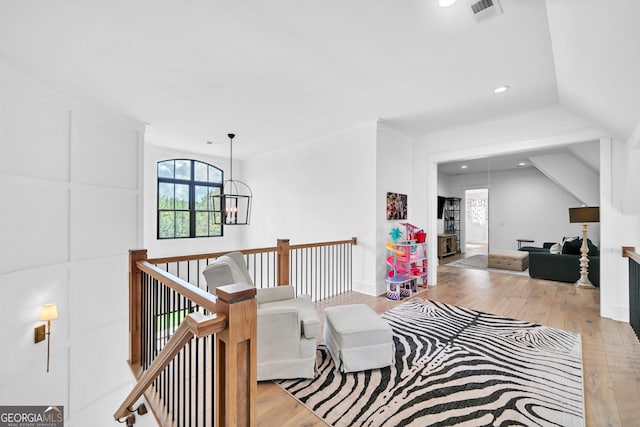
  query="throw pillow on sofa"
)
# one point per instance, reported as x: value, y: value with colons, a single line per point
x: 571, y: 245
x: 593, y: 249
x: 556, y: 248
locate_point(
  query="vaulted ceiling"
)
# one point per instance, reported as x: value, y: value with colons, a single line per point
x: 280, y: 72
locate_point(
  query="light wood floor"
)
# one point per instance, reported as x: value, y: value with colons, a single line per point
x: 610, y: 349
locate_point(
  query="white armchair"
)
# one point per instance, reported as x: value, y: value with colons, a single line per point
x: 287, y: 326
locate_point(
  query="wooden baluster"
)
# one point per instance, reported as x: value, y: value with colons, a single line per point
x: 283, y: 262
x: 236, y: 362
x: 135, y: 304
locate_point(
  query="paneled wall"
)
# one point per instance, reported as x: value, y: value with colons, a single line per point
x: 71, y: 191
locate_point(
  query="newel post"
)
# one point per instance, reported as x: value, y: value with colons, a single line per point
x: 236, y: 361
x: 135, y: 304
x: 283, y: 262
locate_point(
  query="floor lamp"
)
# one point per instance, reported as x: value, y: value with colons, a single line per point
x: 584, y: 215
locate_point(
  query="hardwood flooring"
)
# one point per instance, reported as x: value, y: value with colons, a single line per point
x: 610, y: 349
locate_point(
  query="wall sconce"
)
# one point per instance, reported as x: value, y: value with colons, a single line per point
x: 48, y: 313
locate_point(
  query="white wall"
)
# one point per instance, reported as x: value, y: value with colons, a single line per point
x: 234, y: 235
x: 617, y: 229
x: 517, y: 133
x: 393, y: 174
x: 524, y: 203
x: 572, y: 174
x: 319, y: 190
x: 72, y: 186
x: 547, y: 128
x: 631, y: 201
x: 605, y: 92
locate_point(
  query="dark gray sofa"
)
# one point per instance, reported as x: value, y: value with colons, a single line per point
x: 562, y: 267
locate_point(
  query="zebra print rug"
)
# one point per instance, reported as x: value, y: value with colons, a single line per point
x: 455, y: 366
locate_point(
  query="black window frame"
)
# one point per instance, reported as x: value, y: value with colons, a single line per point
x: 192, y: 183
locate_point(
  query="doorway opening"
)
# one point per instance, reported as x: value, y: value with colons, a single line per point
x: 476, y: 224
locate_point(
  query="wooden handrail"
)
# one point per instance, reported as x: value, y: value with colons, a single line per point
x: 195, y: 324
x: 630, y: 252
x: 181, y: 258
x: 201, y: 297
x: 352, y: 241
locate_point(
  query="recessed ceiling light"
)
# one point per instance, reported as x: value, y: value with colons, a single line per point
x: 521, y: 164
x: 501, y: 89
x: 464, y: 166
x: 446, y: 3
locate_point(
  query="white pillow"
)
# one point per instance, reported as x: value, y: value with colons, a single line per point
x: 555, y: 248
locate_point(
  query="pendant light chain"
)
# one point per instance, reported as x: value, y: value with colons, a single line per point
x: 231, y: 136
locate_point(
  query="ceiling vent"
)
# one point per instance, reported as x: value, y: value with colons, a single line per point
x: 484, y: 10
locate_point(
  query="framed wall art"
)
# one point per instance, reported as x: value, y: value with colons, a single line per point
x: 396, y: 206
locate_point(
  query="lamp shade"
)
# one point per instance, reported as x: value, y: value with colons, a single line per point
x: 49, y: 312
x: 584, y: 214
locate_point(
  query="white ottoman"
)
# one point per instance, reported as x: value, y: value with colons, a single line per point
x: 357, y: 338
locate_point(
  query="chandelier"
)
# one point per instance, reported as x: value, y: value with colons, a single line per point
x: 235, y: 200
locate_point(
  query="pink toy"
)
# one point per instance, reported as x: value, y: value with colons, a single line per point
x: 408, y: 262
x: 414, y: 233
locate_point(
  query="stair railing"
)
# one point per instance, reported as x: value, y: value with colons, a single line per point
x: 194, y: 354
x: 634, y: 287
x: 195, y: 324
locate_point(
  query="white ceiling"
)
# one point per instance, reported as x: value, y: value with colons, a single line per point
x: 596, y: 49
x: 284, y: 71
x: 587, y: 152
x: 496, y: 163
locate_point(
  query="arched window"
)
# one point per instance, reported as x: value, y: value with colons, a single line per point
x: 186, y: 207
